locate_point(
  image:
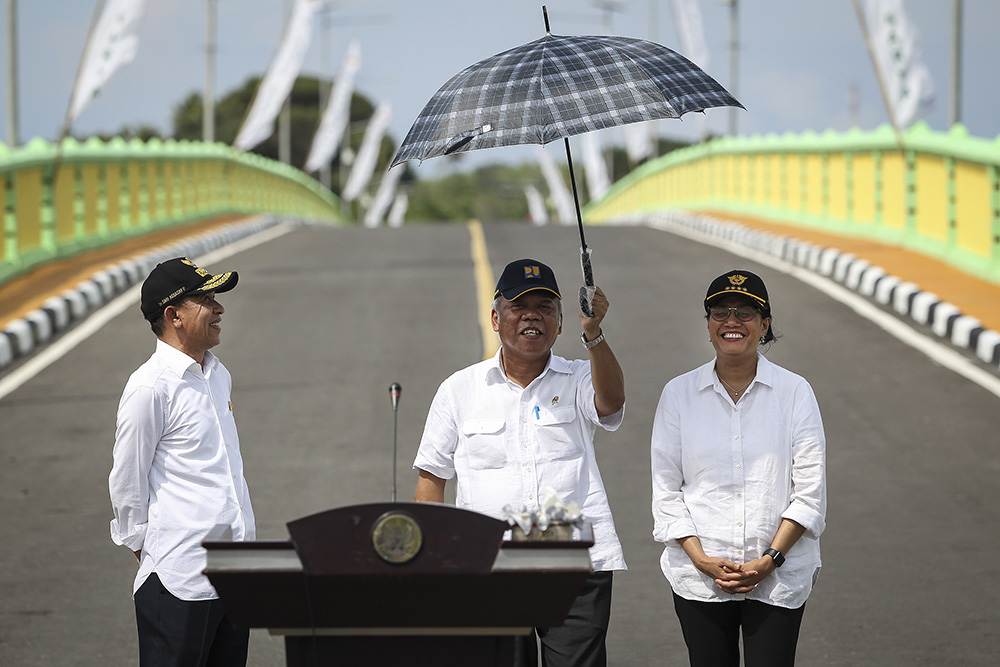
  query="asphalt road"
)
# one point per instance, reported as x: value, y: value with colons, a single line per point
x: 324, y: 320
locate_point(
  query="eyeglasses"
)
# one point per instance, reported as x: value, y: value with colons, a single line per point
x: 743, y: 313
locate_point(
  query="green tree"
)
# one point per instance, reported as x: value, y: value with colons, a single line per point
x: 232, y: 108
x: 491, y: 193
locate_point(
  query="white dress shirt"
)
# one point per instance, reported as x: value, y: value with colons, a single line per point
x: 177, y: 477
x: 506, y: 443
x: 730, y: 472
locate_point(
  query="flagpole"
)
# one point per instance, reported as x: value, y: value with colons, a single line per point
x: 863, y: 22
x: 68, y: 118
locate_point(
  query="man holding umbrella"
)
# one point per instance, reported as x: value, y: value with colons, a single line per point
x: 508, y: 427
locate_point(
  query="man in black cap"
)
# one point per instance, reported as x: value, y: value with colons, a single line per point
x: 513, y: 426
x: 177, y: 477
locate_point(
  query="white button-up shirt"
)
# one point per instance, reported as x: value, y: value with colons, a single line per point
x: 728, y: 473
x: 505, y: 443
x: 177, y: 477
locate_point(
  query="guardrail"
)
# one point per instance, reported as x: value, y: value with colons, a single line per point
x: 61, y: 200
x: 940, y: 195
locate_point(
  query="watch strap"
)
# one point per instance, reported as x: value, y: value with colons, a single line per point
x: 775, y: 555
x: 588, y: 344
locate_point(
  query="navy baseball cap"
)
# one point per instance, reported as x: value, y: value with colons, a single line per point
x: 525, y: 275
x: 174, y: 279
x: 739, y: 283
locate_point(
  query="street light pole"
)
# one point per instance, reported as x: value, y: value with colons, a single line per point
x: 955, y: 111
x: 734, y: 60
x: 12, y: 119
x: 208, y: 97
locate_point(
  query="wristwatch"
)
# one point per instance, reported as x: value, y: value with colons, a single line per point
x: 588, y: 344
x: 775, y: 556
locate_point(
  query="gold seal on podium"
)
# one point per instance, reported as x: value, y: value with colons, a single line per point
x: 397, y: 537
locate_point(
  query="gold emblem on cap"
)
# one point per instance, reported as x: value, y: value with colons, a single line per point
x: 201, y: 272
x: 736, y: 280
x: 397, y: 537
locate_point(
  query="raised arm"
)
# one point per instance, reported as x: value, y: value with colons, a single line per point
x: 606, y: 373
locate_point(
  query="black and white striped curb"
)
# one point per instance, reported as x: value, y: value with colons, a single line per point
x: 24, y: 335
x: 905, y: 298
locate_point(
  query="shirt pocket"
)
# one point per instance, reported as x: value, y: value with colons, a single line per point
x: 485, y: 443
x: 558, y: 434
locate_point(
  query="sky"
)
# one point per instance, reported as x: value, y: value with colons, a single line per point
x: 802, y: 66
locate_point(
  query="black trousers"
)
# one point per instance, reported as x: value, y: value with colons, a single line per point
x: 712, y: 632
x: 181, y: 633
x: 580, y: 640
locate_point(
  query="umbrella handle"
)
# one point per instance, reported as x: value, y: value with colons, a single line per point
x: 587, y: 292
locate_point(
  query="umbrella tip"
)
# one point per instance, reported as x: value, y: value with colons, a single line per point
x: 545, y: 15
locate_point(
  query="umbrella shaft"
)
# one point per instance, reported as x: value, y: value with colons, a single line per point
x: 576, y: 196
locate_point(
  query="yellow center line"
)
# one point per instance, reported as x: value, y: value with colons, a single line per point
x: 484, y: 287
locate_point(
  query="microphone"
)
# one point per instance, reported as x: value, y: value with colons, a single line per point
x: 394, y: 391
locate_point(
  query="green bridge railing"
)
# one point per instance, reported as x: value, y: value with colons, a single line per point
x: 939, y: 195
x: 87, y: 195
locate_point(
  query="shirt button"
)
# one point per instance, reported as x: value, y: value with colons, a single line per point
x: 739, y: 523
x: 739, y: 495
x: 738, y: 466
x: 736, y: 437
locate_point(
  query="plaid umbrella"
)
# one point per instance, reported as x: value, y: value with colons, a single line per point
x: 556, y: 87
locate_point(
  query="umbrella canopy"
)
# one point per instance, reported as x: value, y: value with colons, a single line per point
x: 556, y: 87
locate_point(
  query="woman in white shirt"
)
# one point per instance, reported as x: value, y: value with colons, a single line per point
x: 739, y: 488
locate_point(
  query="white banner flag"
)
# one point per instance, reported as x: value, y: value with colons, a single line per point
x: 896, y: 43
x: 398, y: 211
x: 112, y: 44
x: 687, y: 24
x: 593, y: 162
x: 536, y: 206
x: 562, y: 199
x: 364, y: 163
x: 639, y: 141
x: 337, y: 113
x: 280, y: 75
x: 383, y: 197
x: 691, y: 34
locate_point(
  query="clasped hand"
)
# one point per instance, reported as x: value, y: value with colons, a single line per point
x: 735, y: 578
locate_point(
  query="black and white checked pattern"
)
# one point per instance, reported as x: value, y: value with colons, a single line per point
x: 558, y: 87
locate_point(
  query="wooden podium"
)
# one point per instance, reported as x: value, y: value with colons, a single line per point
x: 399, y: 584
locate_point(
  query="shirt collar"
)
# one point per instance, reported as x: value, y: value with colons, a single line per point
x: 495, y: 373
x: 179, y: 362
x: 765, y: 373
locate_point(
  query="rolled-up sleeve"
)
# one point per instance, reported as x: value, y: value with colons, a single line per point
x: 671, y: 519
x: 808, y: 501
x: 436, y: 453
x: 138, y: 430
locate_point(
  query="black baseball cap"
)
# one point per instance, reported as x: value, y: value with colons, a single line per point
x: 525, y: 275
x: 739, y: 283
x: 174, y: 279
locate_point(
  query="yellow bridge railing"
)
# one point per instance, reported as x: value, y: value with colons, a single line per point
x: 939, y: 194
x: 60, y: 200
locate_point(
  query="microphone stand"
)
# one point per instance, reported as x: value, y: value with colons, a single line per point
x: 394, y: 391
